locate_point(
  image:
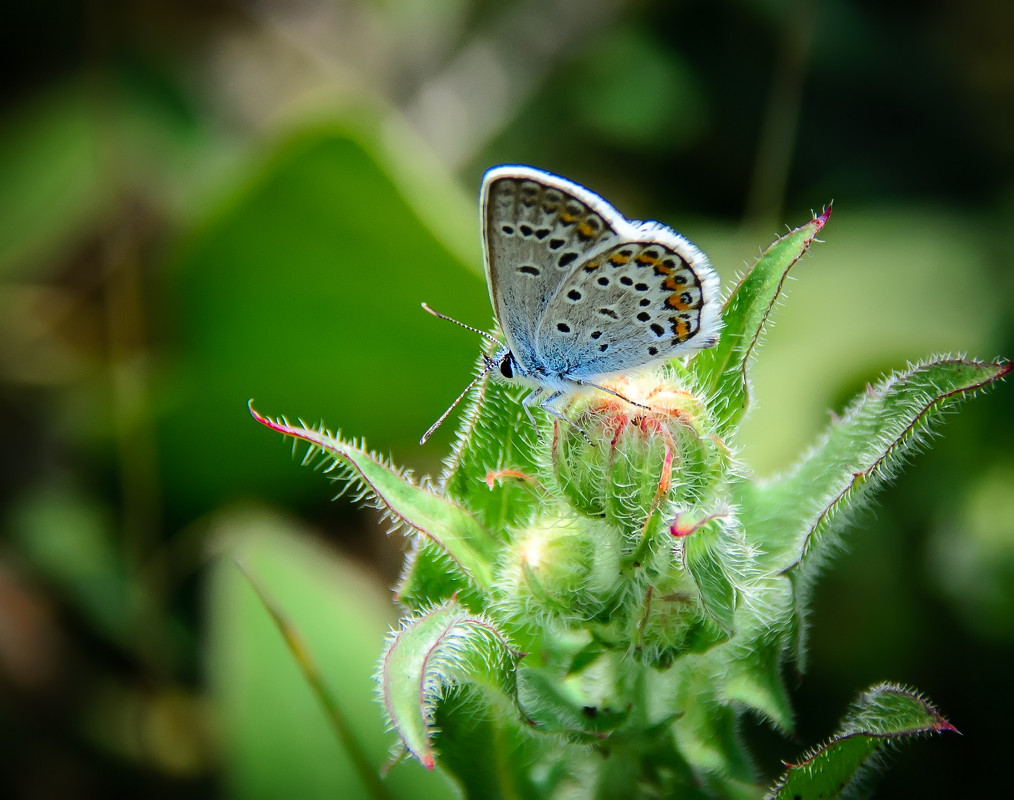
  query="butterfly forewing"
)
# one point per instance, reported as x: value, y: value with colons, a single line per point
x: 536, y: 229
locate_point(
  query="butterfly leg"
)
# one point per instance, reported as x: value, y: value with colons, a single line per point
x: 546, y: 405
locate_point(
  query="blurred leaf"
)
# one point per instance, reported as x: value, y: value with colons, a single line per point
x: 70, y: 541
x: 303, y: 292
x: 67, y: 154
x: 276, y: 738
x: 636, y: 92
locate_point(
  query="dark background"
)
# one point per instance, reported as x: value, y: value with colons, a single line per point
x: 203, y: 202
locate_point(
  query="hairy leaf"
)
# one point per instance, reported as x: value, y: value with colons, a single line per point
x: 884, y: 715
x: 448, y: 526
x: 796, y: 516
x: 489, y: 752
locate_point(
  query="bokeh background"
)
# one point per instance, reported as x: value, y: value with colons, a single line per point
x: 204, y: 202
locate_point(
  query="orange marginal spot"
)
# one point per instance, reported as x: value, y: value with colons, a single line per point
x: 675, y: 300
x: 647, y: 261
x: 585, y: 231
x: 566, y: 218
x: 675, y: 283
x: 682, y: 330
x: 662, y: 269
x: 618, y: 260
x: 591, y: 266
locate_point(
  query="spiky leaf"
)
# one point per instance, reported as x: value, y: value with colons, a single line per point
x: 795, y: 517
x: 469, y: 548
x: 883, y: 715
x: 722, y: 370
x: 431, y: 653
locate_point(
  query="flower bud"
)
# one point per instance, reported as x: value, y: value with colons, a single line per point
x: 620, y: 459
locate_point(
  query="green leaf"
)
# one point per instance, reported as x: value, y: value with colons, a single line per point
x: 722, y: 370
x: 706, y: 731
x: 452, y: 529
x: 488, y: 751
x: 492, y: 469
x: 755, y: 681
x: 882, y: 716
x: 433, y: 652
x: 428, y: 576
x: 302, y: 286
x: 797, y: 518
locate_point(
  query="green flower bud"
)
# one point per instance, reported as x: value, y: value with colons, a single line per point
x: 561, y: 568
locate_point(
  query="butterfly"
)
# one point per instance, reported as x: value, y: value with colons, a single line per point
x: 580, y: 293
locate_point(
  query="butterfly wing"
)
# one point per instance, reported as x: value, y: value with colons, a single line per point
x: 649, y: 296
x: 536, y: 228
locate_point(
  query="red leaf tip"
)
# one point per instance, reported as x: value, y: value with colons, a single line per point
x: 822, y: 218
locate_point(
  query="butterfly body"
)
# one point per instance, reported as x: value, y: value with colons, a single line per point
x: 580, y: 292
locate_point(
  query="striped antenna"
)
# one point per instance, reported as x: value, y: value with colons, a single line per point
x: 489, y: 365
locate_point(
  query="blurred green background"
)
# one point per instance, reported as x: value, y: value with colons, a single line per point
x: 204, y: 202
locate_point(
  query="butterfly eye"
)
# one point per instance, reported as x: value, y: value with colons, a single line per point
x: 505, y: 366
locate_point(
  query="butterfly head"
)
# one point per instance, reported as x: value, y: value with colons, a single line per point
x: 502, y: 365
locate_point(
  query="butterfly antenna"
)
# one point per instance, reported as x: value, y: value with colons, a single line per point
x: 490, y: 364
x: 438, y: 315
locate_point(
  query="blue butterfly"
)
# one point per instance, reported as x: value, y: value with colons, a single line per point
x: 582, y: 294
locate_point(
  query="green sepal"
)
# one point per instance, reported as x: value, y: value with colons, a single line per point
x: 721, y: 371
x: 706, y: 554
x: 882, y: 716
x: 551, y: 709
x: 432, y: 653
x: 469, y: 547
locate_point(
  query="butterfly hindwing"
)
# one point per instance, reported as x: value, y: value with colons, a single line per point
x: 638, y: 301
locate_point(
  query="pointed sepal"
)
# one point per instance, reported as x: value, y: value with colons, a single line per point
x: 721, y: 371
